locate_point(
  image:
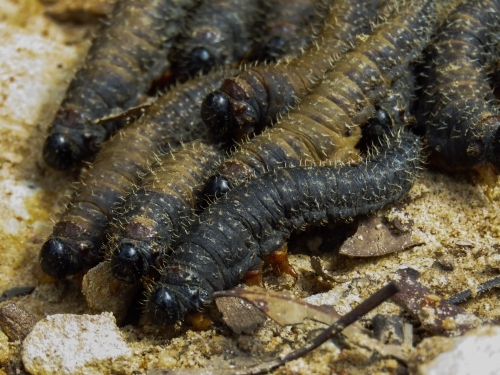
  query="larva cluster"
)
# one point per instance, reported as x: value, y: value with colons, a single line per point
x: 77, y: 237
x: 253, y: 99
x: 129, y: 53
x: 253, y: 220
x: 159, y: 209
x: 325, y: 126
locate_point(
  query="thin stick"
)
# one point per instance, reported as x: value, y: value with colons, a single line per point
x: 466, y: 295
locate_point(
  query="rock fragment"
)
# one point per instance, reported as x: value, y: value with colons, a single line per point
x: 15, y: 321
x: 74, y: 344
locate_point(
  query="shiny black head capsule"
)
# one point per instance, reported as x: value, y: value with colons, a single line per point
x: 201, y: 60
x: 60, y: 152
x: 216, y: 113
x: 128, y: 262
x: 58, y: 259
x: 163, y: 307
x: 273, y: 49
x: 216, y: 187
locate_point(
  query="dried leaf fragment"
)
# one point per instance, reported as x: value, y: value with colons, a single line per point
x: 239, y: 315
x: 436, y: 314
x: 374, y: 238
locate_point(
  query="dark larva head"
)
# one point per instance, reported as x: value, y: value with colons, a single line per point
x: 216, y: 187
x: 169, y: 304
x: 163, y: 308
x: 273, y: 49
x: 215, y: 113
x: 60, y: 152
x: 130, y: 260
x: 58, y: 259
x: 201, y: 60
x: 227, y: 118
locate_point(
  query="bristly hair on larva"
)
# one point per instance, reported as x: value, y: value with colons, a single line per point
x: 458, y: 109
x: 253, y: 220
x: 252, y: 100
x: 326, y: 124
x: 128, y: 54
x: 217, y: 33
x: 159, y: 209
x: 78, y: 235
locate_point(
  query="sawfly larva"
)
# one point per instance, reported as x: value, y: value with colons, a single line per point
x: 254, y: 220
x: 458, y: 108
x: 253, y: 99
x: 159, y: 209
x: 128, y: 54
x: 77, y: 237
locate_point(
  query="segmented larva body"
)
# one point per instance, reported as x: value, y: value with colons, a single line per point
x: 253, y: 99
x: 219, y: 32
x: 459, y: 109
x: 253, y: 220
x: 325, y: 126
x: 78, y: 235
x: 289, y: 28
x: 157, y: 211
x: 128, y: 54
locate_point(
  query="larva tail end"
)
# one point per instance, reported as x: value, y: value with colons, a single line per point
x: 59, y: 260
x: 163, y: 308
x: 59, y: 152
x: 128, y: 263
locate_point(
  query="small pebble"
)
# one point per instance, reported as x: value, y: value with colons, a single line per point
x: 16, y: 322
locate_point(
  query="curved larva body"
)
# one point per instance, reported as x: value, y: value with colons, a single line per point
x: 156, y: 212
x: 255, y: 219
x: 459, y: 109
x: 218, y: 32
x: 255, y: 98
x: 325, y: 126
x: 129, y: 53
x: 78, y: 235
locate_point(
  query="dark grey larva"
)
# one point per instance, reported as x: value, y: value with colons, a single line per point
x: 255, y: 219
x: 157, y: 211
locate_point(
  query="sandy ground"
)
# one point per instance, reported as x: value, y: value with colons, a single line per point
x: 452, y: 216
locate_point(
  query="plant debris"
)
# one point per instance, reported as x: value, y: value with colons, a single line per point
x: 374, y: 238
